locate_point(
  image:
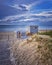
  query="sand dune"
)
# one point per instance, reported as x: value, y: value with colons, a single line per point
x: 36, y: 50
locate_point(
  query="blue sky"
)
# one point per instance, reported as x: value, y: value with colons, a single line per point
x: 26, y: 12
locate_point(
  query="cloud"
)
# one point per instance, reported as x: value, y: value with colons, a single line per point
x: 28, y: 19
x: 44, y: 13
x: 26, y: 6
x: 42, y: 16
x: 36, y: 19
x: 20, y: 7
x: 17, y: 7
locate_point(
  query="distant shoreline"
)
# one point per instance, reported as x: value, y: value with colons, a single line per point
x: 9, y: 28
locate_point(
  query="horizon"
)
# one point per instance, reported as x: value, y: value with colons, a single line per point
x: 21, y: 28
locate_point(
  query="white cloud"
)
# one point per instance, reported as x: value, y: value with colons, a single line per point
x: 26, y: 6
x: 37, y: 19
x: 45, y: 13
x: 30, y: 17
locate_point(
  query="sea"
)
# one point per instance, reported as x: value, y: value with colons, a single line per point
x: 21, y: 28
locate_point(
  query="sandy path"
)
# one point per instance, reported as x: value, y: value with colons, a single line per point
x: 4, y: 53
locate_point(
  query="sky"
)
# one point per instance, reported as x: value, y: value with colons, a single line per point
x: 26, y: 12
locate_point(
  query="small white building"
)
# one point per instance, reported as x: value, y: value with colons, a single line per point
x: 33, y: 29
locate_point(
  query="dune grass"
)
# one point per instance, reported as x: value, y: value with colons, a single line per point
x: 34, y: 51
x: 47, y: 33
